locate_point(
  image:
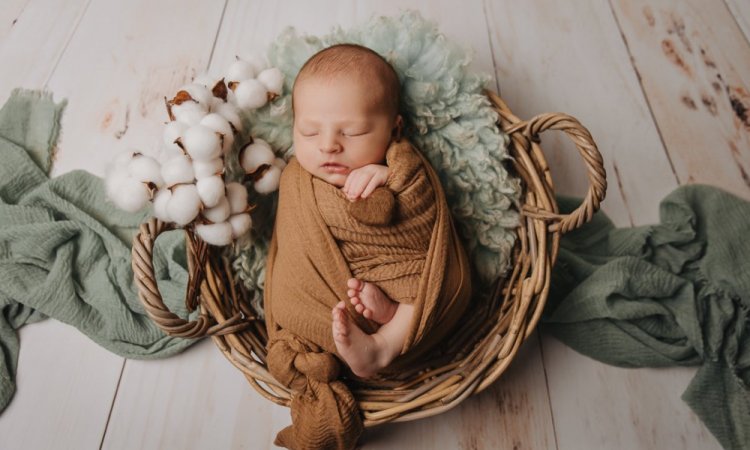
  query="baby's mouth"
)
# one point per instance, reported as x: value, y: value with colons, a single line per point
x: 334, y: 168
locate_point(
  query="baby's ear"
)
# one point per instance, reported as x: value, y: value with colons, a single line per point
x: 397, y: 128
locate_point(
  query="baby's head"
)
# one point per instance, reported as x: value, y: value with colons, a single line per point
x: 345, y: 101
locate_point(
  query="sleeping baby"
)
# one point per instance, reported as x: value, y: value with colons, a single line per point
x: 362, y: 219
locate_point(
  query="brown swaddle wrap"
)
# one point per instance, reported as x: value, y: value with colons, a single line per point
x: 401, y: 238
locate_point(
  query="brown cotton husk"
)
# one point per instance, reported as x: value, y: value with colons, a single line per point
x: 220, y: 90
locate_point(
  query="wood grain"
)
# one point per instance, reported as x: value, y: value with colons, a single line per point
x: 28, y: 56
x: 694, y: 65
x: 572, y: 58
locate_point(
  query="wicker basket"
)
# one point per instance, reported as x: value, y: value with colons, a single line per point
x: 470, y: 360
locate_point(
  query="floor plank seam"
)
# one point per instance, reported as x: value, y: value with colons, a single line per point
x: 112, y: 406
x: 216, y: 37
x: 736, y: 21
x: 492, y: 49
x: 546, y: 383
x: 65, y: 48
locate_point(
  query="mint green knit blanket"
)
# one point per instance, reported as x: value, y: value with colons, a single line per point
x: 677, y: 293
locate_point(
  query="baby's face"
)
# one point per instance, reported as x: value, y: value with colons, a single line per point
x: 339, y: 126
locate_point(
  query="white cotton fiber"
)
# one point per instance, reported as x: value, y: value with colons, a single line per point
x: 272, y: 79
x: 251, y: 94
x: 201, y: 94
x: 210, y: 190
x: 237, y: 196
x: 219, y: 124
x: 184, y: 205
x: 218, y: 213
x: 269, y: 182
x: 241, y: 223
x: 215, y: 233
x: 127, y: 193
x: 161, y: 199
x: 189, y: 113
x: 230, y: 112
x: 176, y: 170
x: 145, y: 169
x: 255, y: 155
x: 240, y: 70
x: 205, y: 169
x: 201, y: 143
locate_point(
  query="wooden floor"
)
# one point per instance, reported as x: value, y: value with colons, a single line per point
x: 663, y: 86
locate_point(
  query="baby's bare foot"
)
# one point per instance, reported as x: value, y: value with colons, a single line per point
x: 360, y: 351
x: 370, y: 301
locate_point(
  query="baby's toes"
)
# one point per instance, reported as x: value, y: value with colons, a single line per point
x: 355, y: 301
x: 359, y: 308
x: 367, y: 313
x: 354, y: 283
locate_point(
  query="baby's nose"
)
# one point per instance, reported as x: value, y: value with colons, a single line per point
x: 330, y: 145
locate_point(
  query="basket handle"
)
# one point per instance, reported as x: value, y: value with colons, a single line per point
x: 199, y: 266
x: 525, y: 136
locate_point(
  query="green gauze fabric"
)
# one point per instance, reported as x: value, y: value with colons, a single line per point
x: 65, y: 251
x: 677, y: 293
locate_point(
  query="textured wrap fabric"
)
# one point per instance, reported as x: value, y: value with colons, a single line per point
x: 307, y: 275
x: 675, y: 293
x: 65, y: 250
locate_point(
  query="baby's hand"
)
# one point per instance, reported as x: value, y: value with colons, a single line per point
x: 362, y: 181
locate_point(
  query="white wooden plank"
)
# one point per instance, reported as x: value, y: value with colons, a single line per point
x: 694, y: 64
x: 28, y: 55
x: 75, y: 402
x: 196, y: 400
x: 65, y: 387
x: 10, y: 10
x: 572, y: 58
x: 121, y: 63
x: 741, y: 11
x: 515, y: 410
x: 109, y: 60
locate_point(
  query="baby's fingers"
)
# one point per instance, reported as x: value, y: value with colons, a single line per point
x: 371, y: 186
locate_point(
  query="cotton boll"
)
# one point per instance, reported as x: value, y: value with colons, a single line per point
x: 202, y: 143
x: 127, y: 193
x: 184, y: 205
x: 210, y: 190
x: 255, y: 155
x: 237, y: 196
x: 251, y: 94
x: 241, y: 223
x: 220, y: 125
x: 205, y: 80
x: 173, y: 131
x: 199, y: 93
x: 145, y: 169
x: 240, y: 70
x: 189, y: 113
x: 215, y: 233
x: 215, y: 104
x: 269, y: 182
x: 205, y: 169
x: 218, y: 213
x: 122, y: 159
x: 272, y: 79
x: 230, y: 112
x: 161, y: 199
x: 177, y: 170
x: 258, y: 63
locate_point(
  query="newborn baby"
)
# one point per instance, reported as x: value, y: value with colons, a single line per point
x: 345, y: 118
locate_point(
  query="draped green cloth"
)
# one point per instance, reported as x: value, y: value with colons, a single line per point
x: 677, y: 293
x: 65, y: 251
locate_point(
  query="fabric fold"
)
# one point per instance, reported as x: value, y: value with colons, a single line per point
x: 317, y: 245
x: 675, y: 293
